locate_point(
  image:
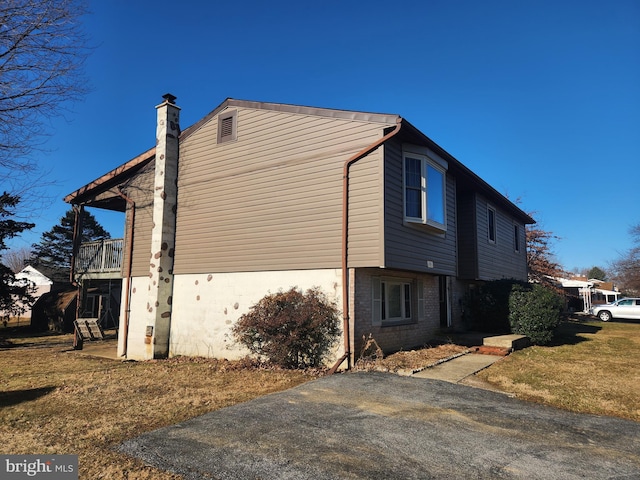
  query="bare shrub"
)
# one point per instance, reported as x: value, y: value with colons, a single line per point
x: 291, y: 329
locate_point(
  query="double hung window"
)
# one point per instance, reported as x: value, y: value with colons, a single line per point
x: 424, y: 191
x: 491, y: 224
x: 396, y: 301
x: 392, y: 301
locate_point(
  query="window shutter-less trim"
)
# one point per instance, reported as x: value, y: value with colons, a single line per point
x: 376, y: 302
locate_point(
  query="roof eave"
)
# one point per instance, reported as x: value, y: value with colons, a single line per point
x: 464, y: 170
x: 121, y: 171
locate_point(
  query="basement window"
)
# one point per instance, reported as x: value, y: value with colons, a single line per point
x: 392, y: 301
x: 227, y: 126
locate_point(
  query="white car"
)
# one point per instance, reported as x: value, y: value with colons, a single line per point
x: 623, y: 308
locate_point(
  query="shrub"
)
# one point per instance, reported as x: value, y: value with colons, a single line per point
x: 291, y: 329
x: 534, y: 311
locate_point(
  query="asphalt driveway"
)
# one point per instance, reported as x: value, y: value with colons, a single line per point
x: 383, y: 426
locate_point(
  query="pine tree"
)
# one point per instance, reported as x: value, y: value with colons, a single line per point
x: 11, y: 293
x: 597, y: 273
x: 52, y: 255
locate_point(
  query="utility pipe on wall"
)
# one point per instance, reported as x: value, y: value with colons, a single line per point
x: 345, y: 241
x: 127, y: 292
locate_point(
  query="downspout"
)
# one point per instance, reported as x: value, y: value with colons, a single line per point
x: 127, y: 292
x: 345, y: 241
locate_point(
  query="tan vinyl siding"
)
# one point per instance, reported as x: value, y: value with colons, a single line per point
x: 366, y: 213
x: 498, y: 260
x: 411, y: 247
x: 140, y: 190
x: 272, y: 199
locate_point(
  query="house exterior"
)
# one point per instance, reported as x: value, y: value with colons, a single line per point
x: 582, y: 293
x: 39, y: 284
x: 258, y: 197
x: 97, y: 271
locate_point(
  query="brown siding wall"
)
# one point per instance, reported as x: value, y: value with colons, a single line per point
x: 499, y: 260
x: 140, y: 190
x: 467, y: 236
x: 272, y: 200
x: 410, y: 247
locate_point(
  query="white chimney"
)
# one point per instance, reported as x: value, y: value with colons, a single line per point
x: 163, y: 232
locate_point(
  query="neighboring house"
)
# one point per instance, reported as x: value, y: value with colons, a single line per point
x: 40, y: 284
x: 582, y: 293
x: 257, y: 197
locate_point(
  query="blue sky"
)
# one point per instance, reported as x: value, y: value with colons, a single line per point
x: 541, y: 99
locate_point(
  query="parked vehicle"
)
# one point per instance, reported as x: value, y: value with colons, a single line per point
x: 623, y: 308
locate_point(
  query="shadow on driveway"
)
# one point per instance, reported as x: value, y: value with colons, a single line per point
x: 383, y: 426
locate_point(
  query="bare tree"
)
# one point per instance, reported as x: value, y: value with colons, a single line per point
x: 16, y: 259
x: 42, y: 51
x: 541, y: 262
x: 626, y: 270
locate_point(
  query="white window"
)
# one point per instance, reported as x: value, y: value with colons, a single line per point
x: 391, y: 301
x: 424, y: 191
x: 491, y: 224
x: 396, y: 301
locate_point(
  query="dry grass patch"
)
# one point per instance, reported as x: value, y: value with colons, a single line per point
x: 53, y: 401
x: 410, y: 361
x: 591, y: 368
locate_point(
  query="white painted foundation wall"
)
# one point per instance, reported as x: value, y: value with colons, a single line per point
x: 206, y: 306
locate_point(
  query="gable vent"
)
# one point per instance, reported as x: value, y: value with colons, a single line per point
x: 227, y: 126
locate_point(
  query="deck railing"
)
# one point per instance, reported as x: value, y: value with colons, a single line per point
x: 100, y: 256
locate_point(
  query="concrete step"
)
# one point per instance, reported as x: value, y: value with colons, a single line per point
x: 509, y: 342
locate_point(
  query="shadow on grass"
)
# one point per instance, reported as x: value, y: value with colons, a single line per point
x: 569, y: 333
x: 626, y: 320
x: 15, y: 397
x: 18, y: 337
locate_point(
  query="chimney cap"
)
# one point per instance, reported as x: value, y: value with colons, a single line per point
x: 169, y: 97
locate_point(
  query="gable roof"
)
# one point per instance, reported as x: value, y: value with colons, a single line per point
x: 464, y: 176
x: 33, y: 275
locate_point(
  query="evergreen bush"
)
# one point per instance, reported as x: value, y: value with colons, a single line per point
x: 534, y: 311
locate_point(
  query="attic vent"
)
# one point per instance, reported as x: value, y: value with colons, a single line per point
x: 227, y: 126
